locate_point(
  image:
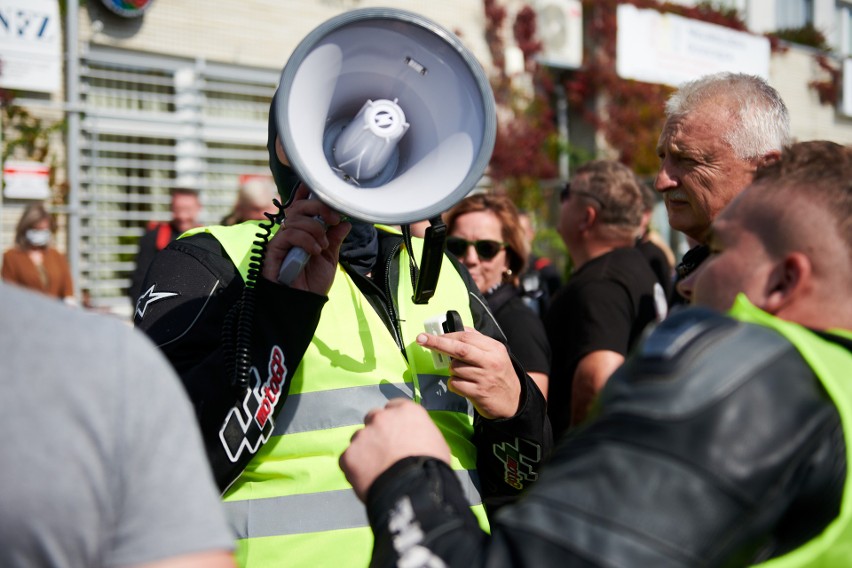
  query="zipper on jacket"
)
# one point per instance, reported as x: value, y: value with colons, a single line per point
x: 380, y: 296
x: 391, y: 310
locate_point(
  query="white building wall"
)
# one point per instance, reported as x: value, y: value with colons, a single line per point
x: 258, y: 33
x: 790, y: 73
x: 262, y: 33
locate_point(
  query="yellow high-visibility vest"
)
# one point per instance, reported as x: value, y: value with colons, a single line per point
x: 832, y: 363
x: 292, y: 505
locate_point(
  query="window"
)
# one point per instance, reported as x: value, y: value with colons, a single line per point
x: 792, y: 14
x: 844, y: 10
x: 153, y: 122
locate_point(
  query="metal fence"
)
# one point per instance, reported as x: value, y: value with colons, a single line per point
x: 150, y: 123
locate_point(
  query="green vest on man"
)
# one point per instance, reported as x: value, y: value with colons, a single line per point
x: 832, y: 363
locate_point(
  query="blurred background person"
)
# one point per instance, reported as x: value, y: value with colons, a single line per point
x: 254, y: 198
x: 650, y: 243
x: 33, y: 262
x: 186, y: 209
x: 486, y: 236
x: 611, y: 296
x: 540, y: 278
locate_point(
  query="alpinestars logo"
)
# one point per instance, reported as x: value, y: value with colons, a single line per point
x: 148, y: 298
x: 519, y: 460
x: 250, y: 424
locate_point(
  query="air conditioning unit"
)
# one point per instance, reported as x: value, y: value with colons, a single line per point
x: 560, y: 29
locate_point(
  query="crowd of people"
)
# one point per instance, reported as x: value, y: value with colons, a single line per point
x: 632, y: 412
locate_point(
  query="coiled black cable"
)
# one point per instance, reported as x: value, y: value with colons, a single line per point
x: 246, y: 309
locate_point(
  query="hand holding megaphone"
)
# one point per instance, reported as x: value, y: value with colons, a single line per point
x: 321, y: 241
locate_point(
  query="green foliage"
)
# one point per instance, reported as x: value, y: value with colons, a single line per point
x: 719, y: 8
x: 25, y: 134
x: 805, y: 35
x: 548, y: 244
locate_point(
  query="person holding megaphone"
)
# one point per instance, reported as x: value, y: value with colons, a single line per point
x: 282, y: 374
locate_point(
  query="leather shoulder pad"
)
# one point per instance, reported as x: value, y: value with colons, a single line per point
x: 690, y: 361
x: 180, y: 286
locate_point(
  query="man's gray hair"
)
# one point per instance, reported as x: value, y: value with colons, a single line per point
x: 762, y: 123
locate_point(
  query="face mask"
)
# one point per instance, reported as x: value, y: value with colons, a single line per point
x: 38, y: 237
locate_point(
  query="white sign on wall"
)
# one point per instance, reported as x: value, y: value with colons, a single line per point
x: 25, y: 179
x: 846, y: 105
x: 30, y: 45
x: 670, y: 50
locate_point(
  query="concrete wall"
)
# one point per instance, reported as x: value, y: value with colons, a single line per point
x: 790, y: 73
x: 258, y: 33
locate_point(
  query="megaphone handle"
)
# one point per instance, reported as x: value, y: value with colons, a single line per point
x: 293, y: 264
x: 295, y: 260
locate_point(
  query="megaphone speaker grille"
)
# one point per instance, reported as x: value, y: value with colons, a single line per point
x: 374, y: 69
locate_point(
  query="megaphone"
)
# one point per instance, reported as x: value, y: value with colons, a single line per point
x: 386, y: 116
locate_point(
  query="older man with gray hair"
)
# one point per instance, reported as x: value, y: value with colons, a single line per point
x: 718, y: 130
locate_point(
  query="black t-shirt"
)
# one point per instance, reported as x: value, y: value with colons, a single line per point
x: 524, y: 330
x: 605, y: 305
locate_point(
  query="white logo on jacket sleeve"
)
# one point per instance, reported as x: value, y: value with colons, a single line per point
x: 148, y: 298
x: 407, y: 538
x: 250, y: 424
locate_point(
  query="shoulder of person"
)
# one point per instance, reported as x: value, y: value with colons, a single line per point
x: 694, y: 359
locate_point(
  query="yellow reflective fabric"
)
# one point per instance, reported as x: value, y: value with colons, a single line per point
x: 292, y: 505
x: 332, y: 549
x: 833, y: 365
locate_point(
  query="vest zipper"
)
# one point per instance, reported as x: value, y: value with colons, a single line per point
x: 391, y: 310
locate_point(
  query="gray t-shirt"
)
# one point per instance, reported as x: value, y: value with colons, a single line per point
x: 102, y: 463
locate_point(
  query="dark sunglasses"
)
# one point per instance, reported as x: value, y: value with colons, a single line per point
x: 485, y: 249
x: 566, y: 193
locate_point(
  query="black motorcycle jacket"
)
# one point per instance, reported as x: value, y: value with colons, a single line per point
x: 715, y: 445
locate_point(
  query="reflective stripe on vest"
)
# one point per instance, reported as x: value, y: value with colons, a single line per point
x: 268, y: 520
x: 311, y: 406
x: 832, y: 363
x: 292, y: 502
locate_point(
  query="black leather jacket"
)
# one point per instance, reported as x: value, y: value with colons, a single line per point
x: 715, y: 445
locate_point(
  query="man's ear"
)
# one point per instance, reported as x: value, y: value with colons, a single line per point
x: 590, y: 216
x: 788, y: 282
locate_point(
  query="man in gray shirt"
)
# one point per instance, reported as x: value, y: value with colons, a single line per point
x: 102, y: 461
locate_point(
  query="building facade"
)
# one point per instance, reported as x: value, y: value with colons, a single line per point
x: 178, y: 94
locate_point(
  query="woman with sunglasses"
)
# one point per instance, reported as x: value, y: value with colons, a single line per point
x: 485, y: 234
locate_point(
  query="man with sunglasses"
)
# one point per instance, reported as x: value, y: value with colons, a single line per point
x: 611, y: 296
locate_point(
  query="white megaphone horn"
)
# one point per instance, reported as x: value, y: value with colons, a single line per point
x: 386, y: 116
